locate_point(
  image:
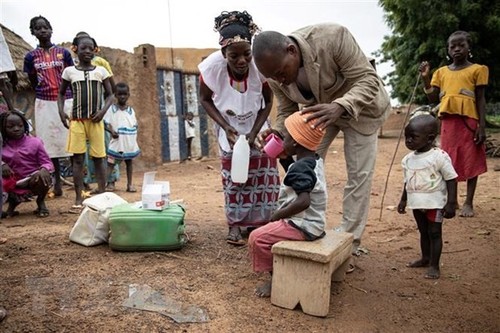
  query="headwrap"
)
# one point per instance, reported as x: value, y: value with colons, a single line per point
x: 235, y: 27
x: 302, y: 132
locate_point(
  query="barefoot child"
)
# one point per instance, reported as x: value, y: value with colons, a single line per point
x: 122, y: 124
x: 459, y: 87
x: 302, y: 198
x: 430, y: 189
x: 24, y: 157
x: 87, y: 83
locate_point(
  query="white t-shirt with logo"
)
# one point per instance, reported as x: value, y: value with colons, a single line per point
x: 425, y: 175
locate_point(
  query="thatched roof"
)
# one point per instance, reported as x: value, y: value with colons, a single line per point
x: 18, y: 48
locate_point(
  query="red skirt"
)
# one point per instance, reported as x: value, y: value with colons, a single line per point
x: 457, y: 139
x: 251, y: 204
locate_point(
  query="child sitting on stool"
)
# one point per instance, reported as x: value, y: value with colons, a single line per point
x: 302, y: 198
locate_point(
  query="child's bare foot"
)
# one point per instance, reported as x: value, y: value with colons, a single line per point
x: 467, y: 211
x: 432, y: 273
x: 264, y: 290
x: 418, y: 263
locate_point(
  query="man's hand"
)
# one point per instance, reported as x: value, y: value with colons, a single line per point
x: 262, y: 137
x: 325, y: 114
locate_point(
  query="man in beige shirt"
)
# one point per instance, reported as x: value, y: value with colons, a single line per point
x: 321, y: 69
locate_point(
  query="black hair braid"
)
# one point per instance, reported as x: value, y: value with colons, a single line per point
x: 34, y: 20
x: 76, y: 40
x: 462, y: 33
x: 235, y: 17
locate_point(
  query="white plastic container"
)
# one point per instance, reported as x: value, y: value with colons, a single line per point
x: 240, y: 160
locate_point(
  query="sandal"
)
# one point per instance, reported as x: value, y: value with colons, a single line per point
x: 94, y: 191
x: 41, y: 212
x: 131, y: 189
x: 235, y: 238
x: 75, y: 209
x: 10, y: 214
x: 352, y: 265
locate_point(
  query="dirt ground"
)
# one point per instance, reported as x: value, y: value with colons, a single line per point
x: 49, y: 284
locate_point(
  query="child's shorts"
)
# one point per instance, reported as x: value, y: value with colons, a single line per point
x: 433, y: 215
x: 116, y: 160
x: 82, y: 130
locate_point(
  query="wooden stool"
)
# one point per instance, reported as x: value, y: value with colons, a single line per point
x: 303, y: 271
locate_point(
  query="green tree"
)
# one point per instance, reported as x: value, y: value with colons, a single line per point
x: 420, y: 29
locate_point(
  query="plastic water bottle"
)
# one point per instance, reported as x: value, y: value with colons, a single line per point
x: 240, y: 160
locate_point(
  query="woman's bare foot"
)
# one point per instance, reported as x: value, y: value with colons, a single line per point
x: 418, y: 263
x: 264, y: 290
x: 432, y: 273
x: 467, y: 211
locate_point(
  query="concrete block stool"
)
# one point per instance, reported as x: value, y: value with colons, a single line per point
x: 303, y: 271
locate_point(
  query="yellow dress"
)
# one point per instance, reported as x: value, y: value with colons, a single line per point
x: 457, y: 89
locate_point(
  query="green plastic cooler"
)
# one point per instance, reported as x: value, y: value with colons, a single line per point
x: 136, y: 229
